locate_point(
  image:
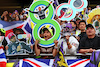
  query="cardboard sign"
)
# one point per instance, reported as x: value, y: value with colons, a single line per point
x: 41, y: 13
x: 18, y: 46
x: 94, y: 19
x: 67, y: 11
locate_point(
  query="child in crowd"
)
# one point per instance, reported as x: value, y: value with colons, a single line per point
x: 47, y: 34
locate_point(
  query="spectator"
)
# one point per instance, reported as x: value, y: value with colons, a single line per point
x: 70, y: 43
x: 75, y: 31
x: 24, y: 17
x: 47, y: 35
x: 74, y: 25
x: 82, y: 27
x: 91, y: 42
x: 89, y: 10
x: 2, y: 33
x: 5, y: 16
x: 77, y: 22
x: 98, y: 6
x: 21, y: 16
x: 15, y: 17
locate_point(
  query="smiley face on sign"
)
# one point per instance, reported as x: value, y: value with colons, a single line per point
x: 67, y: 11
x: 42, y: 13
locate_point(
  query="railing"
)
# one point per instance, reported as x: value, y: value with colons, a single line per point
x: 21, y: 56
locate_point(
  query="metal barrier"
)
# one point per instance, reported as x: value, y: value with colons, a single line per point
x: 21, y: 56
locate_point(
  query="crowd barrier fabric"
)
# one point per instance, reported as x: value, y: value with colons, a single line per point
x: 22, y: 42
x: 31, y: 62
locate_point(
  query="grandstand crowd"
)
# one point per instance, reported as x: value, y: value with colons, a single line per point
x: 77, y: 35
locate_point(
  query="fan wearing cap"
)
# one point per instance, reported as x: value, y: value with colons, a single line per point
x: 91, y: 42
x: 47, y: 34
x: 15, y: 46
x: 70, y: 43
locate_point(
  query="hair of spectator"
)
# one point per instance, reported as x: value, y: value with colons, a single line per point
x: 82, y: 21
x: 14, y: 30
x: 74, y: 22
x: 2, y: 34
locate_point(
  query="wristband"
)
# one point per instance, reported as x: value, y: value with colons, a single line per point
x: 55, y: 47
x: 68, y: 43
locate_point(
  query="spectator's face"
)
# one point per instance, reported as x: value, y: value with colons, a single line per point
x: 82, y: 26
x: 89, y: 8
x: 23, y: 11
x: 90, y: 31
x: 73, y: 25
x: 24, y: 17
x: 6, y: 12
x: 67, y: 37
x: 47, y: 35
x: 77, y: 22
x: 14, y: 16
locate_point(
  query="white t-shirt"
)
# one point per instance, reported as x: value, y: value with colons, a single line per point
x: 73, y: 41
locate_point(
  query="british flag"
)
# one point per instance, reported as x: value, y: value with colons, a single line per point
x: 25, y: 26
x: 30, y: 62
x: 3, y: 60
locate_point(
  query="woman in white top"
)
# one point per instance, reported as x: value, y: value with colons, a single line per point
x: 70, y: 43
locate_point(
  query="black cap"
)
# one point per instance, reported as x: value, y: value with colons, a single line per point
x: 89, y: 25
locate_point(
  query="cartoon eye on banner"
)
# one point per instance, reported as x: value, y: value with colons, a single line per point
x: 42, y: 13
x: 67, y: 11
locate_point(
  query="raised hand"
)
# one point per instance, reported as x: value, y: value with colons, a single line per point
x: 56, y: 42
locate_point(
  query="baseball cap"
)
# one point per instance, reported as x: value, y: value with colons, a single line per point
x: 2, y: 30
x: 78, y: 19
x: 10, y: 35
x: 89, y: 26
